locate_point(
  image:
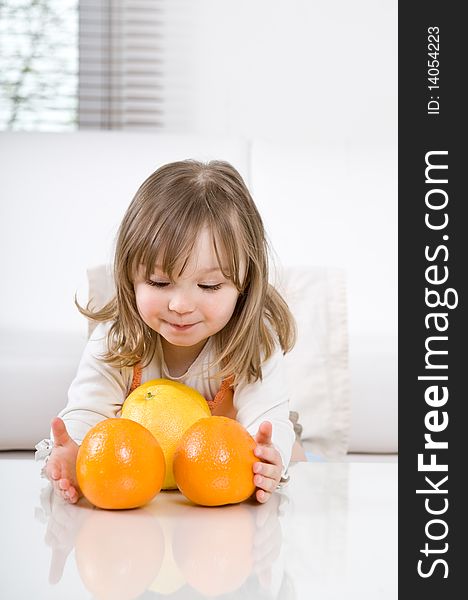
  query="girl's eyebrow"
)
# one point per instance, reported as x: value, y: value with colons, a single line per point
x: 201, y: 271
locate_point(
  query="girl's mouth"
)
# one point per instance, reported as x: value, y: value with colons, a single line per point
x: 181, y: 327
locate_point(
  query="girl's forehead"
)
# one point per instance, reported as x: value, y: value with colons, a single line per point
x: 207, y: 254
x: 184, y: 251
x: 204, y: 255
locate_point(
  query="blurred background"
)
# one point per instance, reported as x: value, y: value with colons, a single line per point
x: 316, y: 70
x: 301, y: 95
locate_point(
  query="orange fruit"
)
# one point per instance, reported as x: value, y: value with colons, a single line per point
x: 167, y: 409
x: 119, y: 464
x: 213, y: 463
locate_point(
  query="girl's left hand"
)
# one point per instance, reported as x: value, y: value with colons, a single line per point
x: 267, y: 474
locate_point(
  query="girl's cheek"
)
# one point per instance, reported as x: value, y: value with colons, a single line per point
x: 147, y: 296
x: 145, y: 303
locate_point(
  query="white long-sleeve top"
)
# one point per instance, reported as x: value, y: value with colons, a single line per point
x: 99, y: 390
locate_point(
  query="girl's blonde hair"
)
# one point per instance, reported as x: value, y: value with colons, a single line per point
x: 161, y: 226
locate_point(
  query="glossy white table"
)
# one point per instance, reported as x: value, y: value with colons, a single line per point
x: 330, y: 533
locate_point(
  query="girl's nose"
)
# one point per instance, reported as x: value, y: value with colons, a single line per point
x: 181, y: 303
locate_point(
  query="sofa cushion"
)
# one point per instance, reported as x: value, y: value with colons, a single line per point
x: 317, y: 366
x: 36, y: 369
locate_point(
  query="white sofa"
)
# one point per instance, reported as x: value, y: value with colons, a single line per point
x: 62, y: 197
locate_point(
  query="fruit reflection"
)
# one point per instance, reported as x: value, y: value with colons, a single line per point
x: 119, y: 554
x: 213, y: 547
x: 170, y: 578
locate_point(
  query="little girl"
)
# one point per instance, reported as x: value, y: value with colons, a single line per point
x: 192, y: 304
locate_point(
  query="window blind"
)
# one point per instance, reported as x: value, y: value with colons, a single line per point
x: 38, y: 64
x: 120, y: 64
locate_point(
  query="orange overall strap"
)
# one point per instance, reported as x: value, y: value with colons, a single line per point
x: 223, y: 390
x: 136, y: 381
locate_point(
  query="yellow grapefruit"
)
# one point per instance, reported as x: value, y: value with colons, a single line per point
x: 167, y: 408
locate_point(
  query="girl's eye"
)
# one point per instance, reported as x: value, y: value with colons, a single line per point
x: 159, y: 284
x: 210, y: 288
x: 163, y: 284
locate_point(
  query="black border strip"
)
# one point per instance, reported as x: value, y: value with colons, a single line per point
x: 431, y: 261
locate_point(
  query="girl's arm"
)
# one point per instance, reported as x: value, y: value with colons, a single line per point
x: 96, y: 393
x: 263, y: 409
x: 98, y: 390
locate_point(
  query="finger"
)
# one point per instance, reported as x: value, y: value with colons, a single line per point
x: 265, y: 483
x: 53, y: 470
x: 57, y: 490
x: 64, y: 484
x: 262, y: 496
x: 267, y: 470
x: 264, y: 433
x: 65, y: 495
x: 268, y: 454
x: 59, y: 432
x: 73, y: 495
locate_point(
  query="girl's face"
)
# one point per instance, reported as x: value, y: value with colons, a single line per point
x: 198, y: 304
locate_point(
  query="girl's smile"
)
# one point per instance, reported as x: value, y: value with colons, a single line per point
x: 179, y: 327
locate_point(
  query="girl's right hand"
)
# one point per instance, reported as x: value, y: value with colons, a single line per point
x: 61, y: 466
